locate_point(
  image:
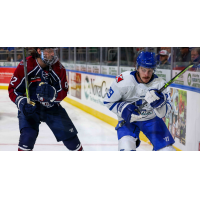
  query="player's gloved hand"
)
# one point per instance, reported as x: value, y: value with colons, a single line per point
x: 129, y: 113
x: 27, y: 109
x: 155, y: 99
x: 46, y: 93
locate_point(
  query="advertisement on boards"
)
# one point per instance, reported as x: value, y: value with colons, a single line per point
x: 124, y: 69
x: 9, y: 64
x: 67, y: 77
x: 6, y: 74
x: 93, y: 69
x: 165, y: 74
x: 94, y: 89
x: 110, y: 70
x: 81, y: 67
x: 189, y: 78
x: 176, y: 119
x: 75, y: 84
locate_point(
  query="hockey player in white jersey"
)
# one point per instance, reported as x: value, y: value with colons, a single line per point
x: 126, y: 95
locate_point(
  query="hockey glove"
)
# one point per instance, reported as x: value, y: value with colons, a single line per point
x: 46, y: 93
x: 155, y: 99
x: 28, y: 110
x: 129, y: 113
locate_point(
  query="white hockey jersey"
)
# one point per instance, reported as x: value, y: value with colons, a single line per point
x: 127, y: 90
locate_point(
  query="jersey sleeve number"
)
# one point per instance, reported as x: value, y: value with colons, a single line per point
x: 110, y: 92
x: 14, y: 79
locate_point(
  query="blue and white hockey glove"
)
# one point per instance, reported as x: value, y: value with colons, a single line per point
x: 129, y: 114
x: 46, y: 93
x: 155, y: 99
x: 27, y: 109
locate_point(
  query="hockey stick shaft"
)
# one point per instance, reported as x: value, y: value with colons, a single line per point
x: 26, y: 75
x: 161, y: 90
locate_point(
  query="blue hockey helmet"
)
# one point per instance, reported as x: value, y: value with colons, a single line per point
x: 146, y: 59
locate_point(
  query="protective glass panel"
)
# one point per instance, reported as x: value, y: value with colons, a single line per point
x: 109, y: 56
x: 163, y: 56
x: 65, y: 54
x: 93, y: 55
x: 128, y: 55
x: 184, y: 57
x: 71, y: 54
x: 6, y: 54
x: 81, y: 55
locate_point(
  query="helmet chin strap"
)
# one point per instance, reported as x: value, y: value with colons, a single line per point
x: 139, y: 76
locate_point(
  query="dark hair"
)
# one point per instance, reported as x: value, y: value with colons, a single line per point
x: 34, y: 52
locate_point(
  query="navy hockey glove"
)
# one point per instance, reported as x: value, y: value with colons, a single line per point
x: 27, y: 109
x: 129, y: 113
x: 155, y: 99
x: 46, y: 93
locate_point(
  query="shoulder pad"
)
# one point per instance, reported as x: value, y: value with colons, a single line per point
x: 61, y: 66
x: 58, y: 65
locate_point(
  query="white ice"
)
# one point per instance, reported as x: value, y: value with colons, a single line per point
x: 94, y: 134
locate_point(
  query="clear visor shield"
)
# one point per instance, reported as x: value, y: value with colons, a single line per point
x: 49, y: 56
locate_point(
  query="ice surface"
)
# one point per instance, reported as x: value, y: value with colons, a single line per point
x: 94, y: 134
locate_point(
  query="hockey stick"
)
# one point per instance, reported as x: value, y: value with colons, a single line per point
x: 26, y: 78
x: 161, y: 90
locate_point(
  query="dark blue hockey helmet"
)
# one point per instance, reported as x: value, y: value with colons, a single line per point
x: 147, y: 60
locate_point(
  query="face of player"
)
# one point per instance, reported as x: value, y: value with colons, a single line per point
x: 145, y: 74
x: 48, y: 54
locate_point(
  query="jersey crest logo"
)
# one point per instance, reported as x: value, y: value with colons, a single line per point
x: 45, y: 75
x: 119, y: 78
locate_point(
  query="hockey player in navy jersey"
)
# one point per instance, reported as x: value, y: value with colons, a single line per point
x: 126, y: 95
x: 48, y: 87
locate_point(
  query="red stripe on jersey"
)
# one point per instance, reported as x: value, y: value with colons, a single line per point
x: 36, y: 80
